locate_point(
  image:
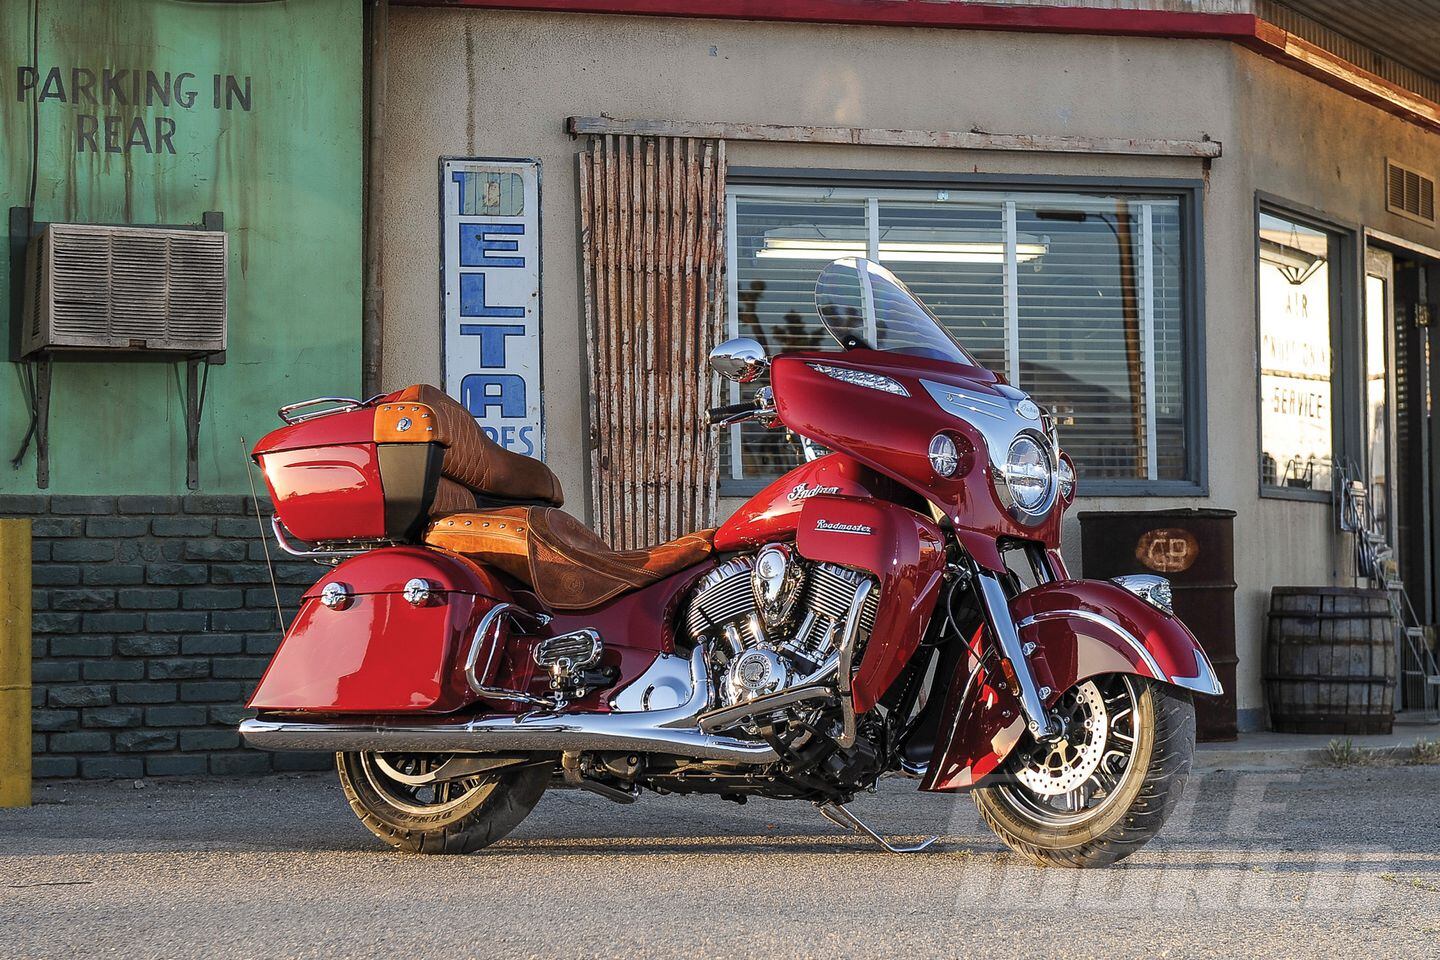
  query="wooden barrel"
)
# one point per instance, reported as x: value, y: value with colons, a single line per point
x: 1330, y: 660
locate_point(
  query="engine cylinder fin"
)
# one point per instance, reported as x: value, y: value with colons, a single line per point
x: 722, y: 595
x: 831, y: 590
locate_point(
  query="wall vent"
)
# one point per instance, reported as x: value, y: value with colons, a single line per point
x: 1409, y: 193
x: 125, y: 289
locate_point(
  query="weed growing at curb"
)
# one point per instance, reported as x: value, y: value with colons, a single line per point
x: 1340, y: 754
x: 1424, y: 753
x: 1344, y: 753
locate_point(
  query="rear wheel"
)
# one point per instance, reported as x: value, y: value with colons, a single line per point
x: 438, y: 803
x: 1105, y: 786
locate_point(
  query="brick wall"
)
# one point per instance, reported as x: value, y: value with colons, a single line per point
x: 153, y: 619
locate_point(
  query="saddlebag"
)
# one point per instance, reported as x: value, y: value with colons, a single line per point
x: 371, y: 646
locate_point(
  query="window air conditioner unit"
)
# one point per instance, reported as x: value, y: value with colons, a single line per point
x: 125, y: 289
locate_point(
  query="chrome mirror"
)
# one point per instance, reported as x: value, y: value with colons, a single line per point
x: 742, y: 360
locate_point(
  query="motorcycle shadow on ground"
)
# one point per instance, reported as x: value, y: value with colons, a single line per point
x: 1283, y: 822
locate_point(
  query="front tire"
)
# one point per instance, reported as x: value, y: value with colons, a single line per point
x: 392, y: 796
x: 1104, y: 789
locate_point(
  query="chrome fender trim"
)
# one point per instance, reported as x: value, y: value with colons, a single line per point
x: 1204, y: 680
x: 672, y: 731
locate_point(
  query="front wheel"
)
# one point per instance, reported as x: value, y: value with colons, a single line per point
x: 1101, y: 789
x: 438, y: 803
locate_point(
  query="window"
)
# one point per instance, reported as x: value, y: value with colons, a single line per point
x: 1078, y: 298
x: 1297, y: 296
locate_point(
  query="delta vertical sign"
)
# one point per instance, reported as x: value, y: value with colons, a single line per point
x: 490, y: 286
x: 97, y: 93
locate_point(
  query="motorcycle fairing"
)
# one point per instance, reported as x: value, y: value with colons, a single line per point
x: 891, y: 432
x: 1080, y: 628
x: 904, y: 551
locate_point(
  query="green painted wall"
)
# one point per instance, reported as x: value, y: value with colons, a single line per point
x: 286, y: 174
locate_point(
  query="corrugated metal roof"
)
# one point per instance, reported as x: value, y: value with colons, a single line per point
x: 1406, y: 32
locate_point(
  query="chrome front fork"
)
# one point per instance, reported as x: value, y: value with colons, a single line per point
x: 1002, y: 626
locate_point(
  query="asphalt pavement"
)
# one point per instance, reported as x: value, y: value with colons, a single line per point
x: 1298, y: 863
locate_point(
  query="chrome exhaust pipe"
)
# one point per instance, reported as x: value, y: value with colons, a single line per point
x: 672, y: 731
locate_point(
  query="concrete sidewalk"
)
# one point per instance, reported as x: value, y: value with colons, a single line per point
x: 1289, y: 751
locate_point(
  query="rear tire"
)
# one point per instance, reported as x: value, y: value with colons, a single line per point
x: 1123, y: 809
x: 453, y: 816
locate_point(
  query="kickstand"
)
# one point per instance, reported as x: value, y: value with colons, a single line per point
x: 838, y: 815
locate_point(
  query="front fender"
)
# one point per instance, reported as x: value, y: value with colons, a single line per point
x: 1081, y: 629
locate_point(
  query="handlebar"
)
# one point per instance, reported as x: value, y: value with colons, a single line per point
x: 726, y: 412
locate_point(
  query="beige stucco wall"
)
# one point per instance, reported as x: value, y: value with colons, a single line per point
x: 501, y: 84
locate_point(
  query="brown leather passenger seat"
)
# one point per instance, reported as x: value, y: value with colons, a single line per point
x: 557, y: 556
x: 473, y: 463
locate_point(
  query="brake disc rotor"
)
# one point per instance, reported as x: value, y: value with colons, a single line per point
x: 1061, y: 764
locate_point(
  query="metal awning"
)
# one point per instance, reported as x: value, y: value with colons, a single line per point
x: 1406, y: 31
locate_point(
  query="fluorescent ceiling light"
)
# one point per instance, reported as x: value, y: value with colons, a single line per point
x: 897, y: 245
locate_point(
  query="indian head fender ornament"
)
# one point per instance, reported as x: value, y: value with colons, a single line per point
x: 472, y: 646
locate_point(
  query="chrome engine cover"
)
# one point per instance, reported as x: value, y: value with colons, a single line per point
x: 754, y: 673
x: 773, y: 620
x: 776, y: 582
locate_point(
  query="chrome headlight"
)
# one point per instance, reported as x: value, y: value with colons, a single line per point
x: 1150, y: 588
x: 1028, y: 474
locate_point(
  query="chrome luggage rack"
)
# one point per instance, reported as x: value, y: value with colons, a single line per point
x: 324, y: 554
x: 340, y: 405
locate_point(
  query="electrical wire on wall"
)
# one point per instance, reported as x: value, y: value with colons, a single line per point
x: 27, y: 367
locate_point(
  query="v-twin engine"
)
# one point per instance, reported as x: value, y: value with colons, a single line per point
x: 778, y: 620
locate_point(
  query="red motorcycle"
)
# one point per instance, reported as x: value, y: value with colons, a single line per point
x: 895, y: 607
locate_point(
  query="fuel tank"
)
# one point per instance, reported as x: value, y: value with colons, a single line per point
x: 773, y: 514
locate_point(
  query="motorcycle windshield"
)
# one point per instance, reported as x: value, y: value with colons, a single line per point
x: 865, y: 306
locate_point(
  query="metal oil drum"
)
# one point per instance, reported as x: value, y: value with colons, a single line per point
x: 1195, y: 550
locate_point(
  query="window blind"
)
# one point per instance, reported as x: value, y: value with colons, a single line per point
x: 1095, y: 329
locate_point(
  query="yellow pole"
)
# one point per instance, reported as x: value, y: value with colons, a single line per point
x: 14, y: 663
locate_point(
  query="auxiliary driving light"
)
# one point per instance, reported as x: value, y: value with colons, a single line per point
x: 1065, y: 477
x: 944, y: 457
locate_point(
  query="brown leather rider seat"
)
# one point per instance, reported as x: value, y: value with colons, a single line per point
x: 557, y: 556
x: 472, y: 463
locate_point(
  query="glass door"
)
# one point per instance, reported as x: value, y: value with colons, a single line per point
x: 1379, y: 396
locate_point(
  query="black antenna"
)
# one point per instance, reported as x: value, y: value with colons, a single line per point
x: 264, y: 542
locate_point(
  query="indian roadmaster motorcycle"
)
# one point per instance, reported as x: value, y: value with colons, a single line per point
x: 896, y: 606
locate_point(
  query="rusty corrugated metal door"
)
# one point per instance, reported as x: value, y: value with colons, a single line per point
x: 652, y: 221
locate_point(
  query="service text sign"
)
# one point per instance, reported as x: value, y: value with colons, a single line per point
x: 490, y: 287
